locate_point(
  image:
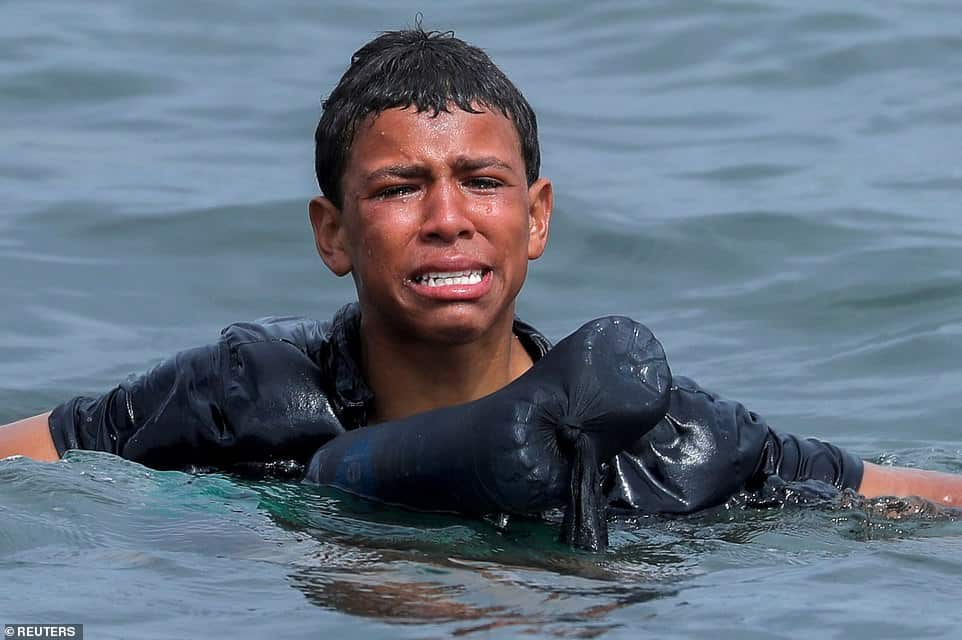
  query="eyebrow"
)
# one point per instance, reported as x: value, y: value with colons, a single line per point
x: 464, y: 164
x: 404, y: 171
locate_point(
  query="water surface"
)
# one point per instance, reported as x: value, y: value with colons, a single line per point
x: 773, y: 187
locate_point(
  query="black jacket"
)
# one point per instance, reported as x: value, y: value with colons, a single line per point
x: 277, y: 390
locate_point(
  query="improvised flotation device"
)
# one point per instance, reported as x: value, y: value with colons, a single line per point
x: 537, y: 444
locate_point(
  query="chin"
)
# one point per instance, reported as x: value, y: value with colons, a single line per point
x: 456, y: 336
x: 452, y: 333
x: 454, y: 328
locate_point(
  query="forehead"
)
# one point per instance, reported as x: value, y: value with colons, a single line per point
x: 405, y: 135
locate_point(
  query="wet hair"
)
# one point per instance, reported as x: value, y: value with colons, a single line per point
x: 429, y: 70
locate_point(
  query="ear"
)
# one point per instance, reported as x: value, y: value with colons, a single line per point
x: 329, y: 235
x: 541, y: 200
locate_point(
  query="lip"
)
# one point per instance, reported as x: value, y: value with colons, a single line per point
x: 447, y: 264
x: 451, y: 292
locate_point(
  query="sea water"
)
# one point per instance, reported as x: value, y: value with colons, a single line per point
x: 773, y: 187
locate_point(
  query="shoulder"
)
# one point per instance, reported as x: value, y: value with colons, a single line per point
x: 310, y: 336
x: 293, y: 359
x: 306, y: 334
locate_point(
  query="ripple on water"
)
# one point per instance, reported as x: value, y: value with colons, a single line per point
x: 771, y: 185
x: 352, y: 557
x: 83, y: 86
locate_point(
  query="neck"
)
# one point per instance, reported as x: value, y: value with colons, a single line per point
x: 409, y: 377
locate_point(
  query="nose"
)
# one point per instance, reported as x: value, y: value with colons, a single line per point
x: 446, y: 216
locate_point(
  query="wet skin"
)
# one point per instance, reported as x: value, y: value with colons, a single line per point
x: 436, y: 193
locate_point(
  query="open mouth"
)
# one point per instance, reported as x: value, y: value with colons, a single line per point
x: 450, y: 278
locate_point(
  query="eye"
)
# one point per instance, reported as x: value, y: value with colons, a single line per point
x: 483, y: 184
x: 394, y: 191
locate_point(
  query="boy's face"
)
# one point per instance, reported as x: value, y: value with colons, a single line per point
x: 437, y: 224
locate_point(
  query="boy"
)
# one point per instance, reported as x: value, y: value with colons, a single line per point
x: 427, y: 157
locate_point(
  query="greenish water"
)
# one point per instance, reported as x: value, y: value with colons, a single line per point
x: 773, y: 187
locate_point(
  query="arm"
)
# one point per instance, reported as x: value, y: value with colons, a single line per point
x: 943, y: 488
x: 29, y: 437
x: 707, y: 449
x: 249, y: 397
x: 236, y: 401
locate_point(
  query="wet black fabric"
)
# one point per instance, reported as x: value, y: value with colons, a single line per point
x: 256, y: 394
x: 535, y: 445
x: 706, y: 449
x: 282, y: 388
x: 268, y: 391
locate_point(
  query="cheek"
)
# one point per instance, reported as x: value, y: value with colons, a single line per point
x: 368, y: 254
x: 380, y: 249
x: 506, y: 218
x: 517, y: 233
x: 387, y: 228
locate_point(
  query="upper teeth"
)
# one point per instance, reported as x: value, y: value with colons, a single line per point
x: 449, y: 278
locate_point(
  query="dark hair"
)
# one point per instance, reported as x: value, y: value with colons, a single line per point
x: 429, y: 70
